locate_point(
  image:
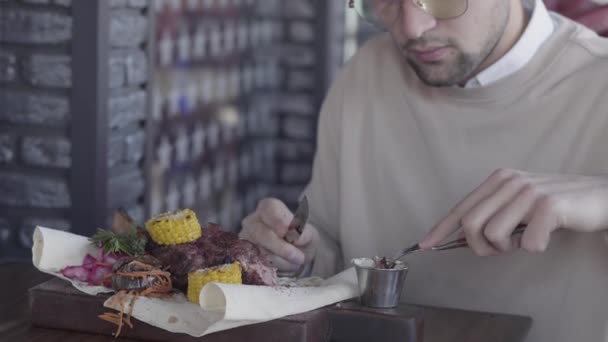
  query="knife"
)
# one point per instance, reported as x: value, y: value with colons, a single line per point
x: 296, y: 226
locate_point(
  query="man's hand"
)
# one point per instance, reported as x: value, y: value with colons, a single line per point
x: 267, y: 226
x: 489, y: 214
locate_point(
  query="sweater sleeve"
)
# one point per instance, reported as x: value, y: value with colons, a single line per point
x: 323, y: 190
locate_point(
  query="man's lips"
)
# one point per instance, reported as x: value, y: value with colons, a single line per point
x: 430, y: 54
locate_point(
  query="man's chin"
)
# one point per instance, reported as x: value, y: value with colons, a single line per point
x: 435, y: 82
x: 433, y: 76
x: 448, y: 72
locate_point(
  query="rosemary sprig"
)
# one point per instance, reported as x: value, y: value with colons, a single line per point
x: 131, y: 242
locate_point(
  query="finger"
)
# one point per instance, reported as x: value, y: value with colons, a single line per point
x: 307, y: 236
x: 516, y: 241
x: 478, y: 218
x: 460, y: 234
x: 247, y: 225
x: 452, y: 221
x: 537, y: 235
x: 282, y: 264
x: 275, y: 215
x: 249, y: 219
x: 262, y: 235
x: 499, y: 228
x: 477, y: 241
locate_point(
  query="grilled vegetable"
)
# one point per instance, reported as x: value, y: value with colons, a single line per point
x: 229, y: 274
x: 174, y: 228
x: 130, y: 273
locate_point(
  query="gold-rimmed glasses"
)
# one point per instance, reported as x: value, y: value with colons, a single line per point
x: 384, y: 13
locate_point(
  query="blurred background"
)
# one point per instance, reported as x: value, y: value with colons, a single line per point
x: 157, y: 105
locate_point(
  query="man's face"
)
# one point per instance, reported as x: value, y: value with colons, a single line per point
x: 448, y: 52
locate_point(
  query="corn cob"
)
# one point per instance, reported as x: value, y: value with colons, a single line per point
x: 174, y: 228
x: 228, y: 274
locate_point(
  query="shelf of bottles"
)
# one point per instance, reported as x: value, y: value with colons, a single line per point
x: 213, y: 108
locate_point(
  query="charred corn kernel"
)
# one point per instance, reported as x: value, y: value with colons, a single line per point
x: 228, y: 274
x: 174, y: 228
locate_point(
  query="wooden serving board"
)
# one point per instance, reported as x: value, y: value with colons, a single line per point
x: 56, y: 304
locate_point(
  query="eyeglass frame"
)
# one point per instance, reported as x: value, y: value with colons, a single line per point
x: 351, y: 5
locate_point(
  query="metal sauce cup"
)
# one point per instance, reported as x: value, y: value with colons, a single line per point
x: 379, y: 288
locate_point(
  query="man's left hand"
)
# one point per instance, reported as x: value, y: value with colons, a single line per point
x: 488, y: 216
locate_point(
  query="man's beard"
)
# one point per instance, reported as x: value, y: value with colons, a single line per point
x: 456, y: 71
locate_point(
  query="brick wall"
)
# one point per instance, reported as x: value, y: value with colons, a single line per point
x: 35, y: 81
x: 36, y: 147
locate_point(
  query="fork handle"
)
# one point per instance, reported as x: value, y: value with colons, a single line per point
x: 462, y: 242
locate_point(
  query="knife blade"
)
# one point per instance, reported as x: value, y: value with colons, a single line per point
x: 297, y: 224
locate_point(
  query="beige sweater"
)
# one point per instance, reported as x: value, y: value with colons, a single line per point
x: 395, y: 155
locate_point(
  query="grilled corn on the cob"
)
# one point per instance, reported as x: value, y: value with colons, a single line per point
x: 174, y: 228
x: 229, y: 274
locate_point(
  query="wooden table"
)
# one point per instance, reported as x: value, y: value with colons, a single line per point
x: 440, y: 325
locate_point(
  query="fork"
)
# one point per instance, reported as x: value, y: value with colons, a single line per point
x: 458, y: 243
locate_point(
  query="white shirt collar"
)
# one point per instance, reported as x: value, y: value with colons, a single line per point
x: 539, y: 29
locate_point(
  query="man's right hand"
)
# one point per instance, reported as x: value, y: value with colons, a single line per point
x: 267, y: 226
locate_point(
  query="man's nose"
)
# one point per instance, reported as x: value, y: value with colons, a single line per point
x: 415, y: 22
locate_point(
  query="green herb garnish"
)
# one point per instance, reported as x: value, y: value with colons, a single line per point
x: 130, y: 242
